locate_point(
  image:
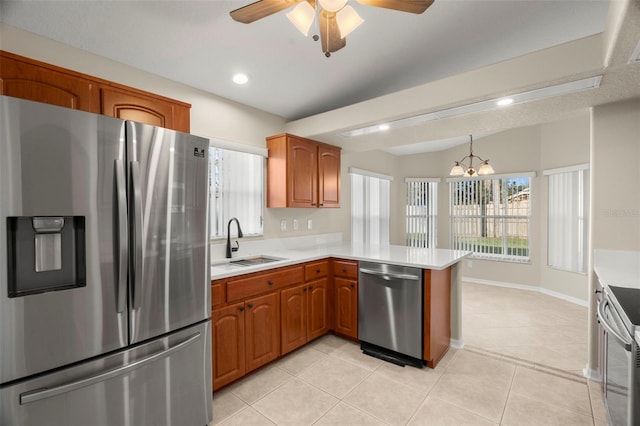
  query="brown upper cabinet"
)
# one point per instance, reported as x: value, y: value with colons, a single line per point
x: 302, y: 173
x: 26, y: 78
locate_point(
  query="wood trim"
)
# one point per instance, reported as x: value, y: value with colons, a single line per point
x: 437, y: 314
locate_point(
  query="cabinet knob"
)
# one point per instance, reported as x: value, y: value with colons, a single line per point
x: 313, y: 204
x: 241, y: 308
x: 321, y: 204
x: 317, y: 271
x: 250, y: 305
x: 270, y: 282
x: 344, y: 270
x: 310, y: 287
x: 353, y: 285
x: 304, y: 290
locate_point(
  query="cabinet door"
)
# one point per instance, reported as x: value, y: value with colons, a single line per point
x: 318, y: 308
x: 228, y: 339
x: 262, y: 326
x: 328, y: 176
x: 293, y: 316
x: 43, y: 84
x: 302, y: 163
x: 346, y: 307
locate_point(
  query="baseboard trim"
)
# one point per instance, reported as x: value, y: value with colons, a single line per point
x: 457, y: 343
x: 542, y: 290
x: 591, y: 374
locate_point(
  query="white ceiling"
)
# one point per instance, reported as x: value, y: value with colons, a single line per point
x: 198, y: 44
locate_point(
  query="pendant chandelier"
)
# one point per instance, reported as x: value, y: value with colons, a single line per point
x: 461, y: 168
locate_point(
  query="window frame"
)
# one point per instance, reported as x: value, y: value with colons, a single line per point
x: 383, y: 211
x: 242, y: 149
x: 484, y: 251
x: 580, y: 221
x: 413, y: 223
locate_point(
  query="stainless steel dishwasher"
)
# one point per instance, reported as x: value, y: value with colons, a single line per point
x: 390, y: 312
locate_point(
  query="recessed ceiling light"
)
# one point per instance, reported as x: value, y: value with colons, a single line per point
x: 383, y: 127
x: 240, y: 78
x: 504, y: 102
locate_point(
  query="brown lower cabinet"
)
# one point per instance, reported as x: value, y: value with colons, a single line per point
x: 261, y: 316
x: 250, y: 331
x: 304, y: 313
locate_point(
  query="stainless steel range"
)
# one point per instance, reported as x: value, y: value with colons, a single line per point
x: 619, y: 314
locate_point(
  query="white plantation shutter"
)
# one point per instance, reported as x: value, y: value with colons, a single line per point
x: 236, y: 184
x: 422, y: 212
x: 369, y: 207
x: 568, y: 218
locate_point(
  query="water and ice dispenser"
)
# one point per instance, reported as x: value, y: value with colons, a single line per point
x: 45, y: 253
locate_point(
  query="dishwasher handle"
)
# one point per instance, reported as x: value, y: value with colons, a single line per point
x: 388, y: 276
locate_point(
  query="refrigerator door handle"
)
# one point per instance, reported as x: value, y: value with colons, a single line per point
x: 44, y: 393
x: 123, y: 247
x: 138, y: 258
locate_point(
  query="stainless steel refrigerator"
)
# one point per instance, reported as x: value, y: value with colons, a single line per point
x: 104, y: 271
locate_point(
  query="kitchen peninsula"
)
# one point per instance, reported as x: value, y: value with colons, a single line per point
x: 309, y: 286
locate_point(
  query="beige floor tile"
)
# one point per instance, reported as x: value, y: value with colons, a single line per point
x: 334, y: 375
x: 247, y: 417
x: 303, y: 358
x: 343, y: 415
x: 552, y: 390
x: 436, y: 412
x: 295, y: 403
x: 225, y: 405
x: 389, y: 401
x: 597, y: 401
x: 422, y: 379
x: 351, y: 352
x: 476, y: 383
x: 522, y: 411
x: 255, y: 386
x: 328, y: 344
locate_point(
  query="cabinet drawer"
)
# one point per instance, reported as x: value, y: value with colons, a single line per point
x: 217, y: 293
x: 262, y: 283
x: 316, y: 270
x: 345, y: 268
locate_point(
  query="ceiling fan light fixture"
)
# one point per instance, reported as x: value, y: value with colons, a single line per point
x: 332, y: 5
x: 348, y: 20
x: 302, y: 17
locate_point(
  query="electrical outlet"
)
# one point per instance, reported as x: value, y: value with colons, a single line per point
x: 309, y: 224
x: 283, y: 224
x: 295, y: 224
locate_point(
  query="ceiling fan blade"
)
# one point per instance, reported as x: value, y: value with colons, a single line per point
x: 330, y: 33
x: 411, y: 6
x: 258, y: 10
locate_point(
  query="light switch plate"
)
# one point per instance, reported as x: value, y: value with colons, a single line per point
x: 283, y: 224
x: 309, y: 224
x: 295, y: 224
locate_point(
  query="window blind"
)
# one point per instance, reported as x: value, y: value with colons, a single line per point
x: 568, y: 218
x: 422, y: 212
x: 369, y: 208
x: 236, y: 185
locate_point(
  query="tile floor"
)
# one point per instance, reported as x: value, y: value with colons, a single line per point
x: 330, y: 382
x: 525, y: 325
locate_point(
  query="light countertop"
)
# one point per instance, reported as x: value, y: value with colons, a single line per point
x: 617, y: 268
x: 398, y: 255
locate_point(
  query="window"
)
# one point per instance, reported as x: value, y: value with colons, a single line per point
x: 422, y: 212
x: 568, y: 218
x: 490, y: 216
x: 369, y: 207
x: 236, y: 182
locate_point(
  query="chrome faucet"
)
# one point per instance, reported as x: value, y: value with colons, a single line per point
x: 229, y: 248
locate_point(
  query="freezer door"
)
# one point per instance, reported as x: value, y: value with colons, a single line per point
x: 163, y: 382
x: 62, y: 278
x: 168, y: 194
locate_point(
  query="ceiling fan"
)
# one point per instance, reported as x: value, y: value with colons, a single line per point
x: 336, y: 18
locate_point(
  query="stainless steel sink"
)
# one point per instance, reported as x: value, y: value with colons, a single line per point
x: 256, y: 260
